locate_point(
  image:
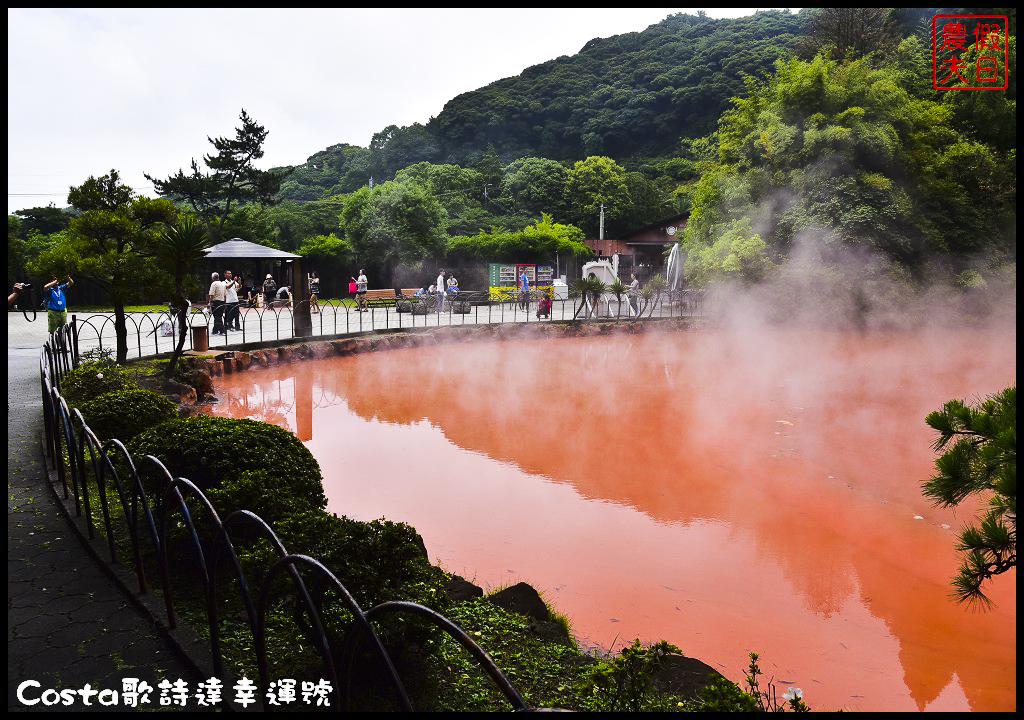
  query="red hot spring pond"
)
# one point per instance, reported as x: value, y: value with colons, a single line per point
x: 726, y: 492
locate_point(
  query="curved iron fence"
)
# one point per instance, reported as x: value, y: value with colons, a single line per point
x: 155, y: 333
x: 104, y: 481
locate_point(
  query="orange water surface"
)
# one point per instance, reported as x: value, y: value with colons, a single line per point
x: 728, y: 492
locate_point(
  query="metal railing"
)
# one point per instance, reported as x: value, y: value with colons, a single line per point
x: 104, y: 481
x: 146, y: 331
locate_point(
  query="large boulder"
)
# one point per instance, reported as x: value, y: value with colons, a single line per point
x: 684, y: 676
x: 181, y: 392
x: 523, y: 599
x: 460, y: 589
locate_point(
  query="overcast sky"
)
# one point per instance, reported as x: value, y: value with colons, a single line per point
x: 140, y: 90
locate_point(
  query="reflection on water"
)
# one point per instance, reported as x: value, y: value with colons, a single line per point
x: 727, y: 493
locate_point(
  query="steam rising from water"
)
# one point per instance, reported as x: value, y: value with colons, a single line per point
x: 822, y: 284
x: 751, y: 486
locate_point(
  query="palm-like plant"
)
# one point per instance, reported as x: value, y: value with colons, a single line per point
x: 655, y: 287
x: 618, y: 289
x: 588, y: 289
x: 179, y: 248
x: 577, y: 291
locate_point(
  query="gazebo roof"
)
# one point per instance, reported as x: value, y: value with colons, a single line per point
x: 239, y: 248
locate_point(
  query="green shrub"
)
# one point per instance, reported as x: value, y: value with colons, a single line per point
x: 626, y: 683
x: 210, y: 450
x: 258, y: 491
x: 377, y: 561
x: 91, y: 379
x: 726, y: 696
x: 548, y: 673
x: 126, y: 413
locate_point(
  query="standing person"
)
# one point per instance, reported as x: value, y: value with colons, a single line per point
x: 439, y: 287
x: 56, y: 303
x: 217, y: 297
x: 524, y: 290
x: 232, y: 313
x: 314, y: 292
x: 633, y: 295
x: 361, y: 284
x: 269, y: 291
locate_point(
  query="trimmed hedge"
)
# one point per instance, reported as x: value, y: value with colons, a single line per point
x: 377, y: 560
x: 211, y: 451
x: 91, y: 379
x: 259, y: 491
x: 126, y: 413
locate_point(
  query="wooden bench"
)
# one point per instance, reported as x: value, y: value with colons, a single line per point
x: 386, y: 298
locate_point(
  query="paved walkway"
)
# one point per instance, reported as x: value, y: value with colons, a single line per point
x: 68, y: 624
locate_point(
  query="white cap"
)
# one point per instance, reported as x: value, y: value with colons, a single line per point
x: 270, y: 277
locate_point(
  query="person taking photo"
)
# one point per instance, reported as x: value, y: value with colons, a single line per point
x: 56, y: 303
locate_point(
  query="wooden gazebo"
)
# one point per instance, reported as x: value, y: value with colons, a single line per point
x: 289, y: 272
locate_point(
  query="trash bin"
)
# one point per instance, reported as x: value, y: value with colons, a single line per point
x: 200, y: 338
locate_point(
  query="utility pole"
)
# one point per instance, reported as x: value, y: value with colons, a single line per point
x: 486, y: 185
x: 600, y: 233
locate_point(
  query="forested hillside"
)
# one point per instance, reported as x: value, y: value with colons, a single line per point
x: 632, y: 97
x: 629, y: 95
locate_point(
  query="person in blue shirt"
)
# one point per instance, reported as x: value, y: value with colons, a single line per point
x: 56, y: 303
x: 524, y: 290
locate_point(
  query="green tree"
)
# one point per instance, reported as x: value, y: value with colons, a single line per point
x: 331, y: 257
x: 458, y: 190
x: 532, y: 186
x: 845, y: 155
x: 178, y: 248
x: 233, y: 178
x: 15, y: 249
x: 392, y: 224
x: 394, y: 148
x: 738, y: 253
x: 111, y: 243
x: 490, y: 168
x: 44, y: 220
x: 648, y: 202
x: 988, y: 117
x: 591, y: 184
x: 850, y: 32
x: 539, y: 242
x: 980, y: 458
x: 25, y: 247
x: 253, y: 223
x: 295, y: 223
